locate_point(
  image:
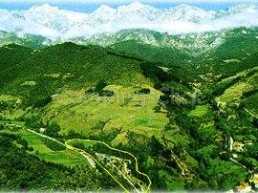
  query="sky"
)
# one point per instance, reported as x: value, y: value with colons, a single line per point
x: 123, y: 1
x: 91, y: 5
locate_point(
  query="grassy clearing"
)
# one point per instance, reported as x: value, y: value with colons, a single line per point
x: 41, y: 148
x: 225, y: 83
x: 8, y: 98
x: 12, y: 114
x: 125, y: 111
x: 200, y: 111
x: 234, y: 93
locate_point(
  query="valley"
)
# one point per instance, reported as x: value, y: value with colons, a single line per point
x: 168, y: 114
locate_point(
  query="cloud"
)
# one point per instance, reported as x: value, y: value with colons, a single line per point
x: 55, y: 23
x: 126, y: 1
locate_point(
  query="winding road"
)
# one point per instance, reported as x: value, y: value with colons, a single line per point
x: 92, y: 161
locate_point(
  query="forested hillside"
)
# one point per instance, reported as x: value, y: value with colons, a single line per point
x: 132, y: 115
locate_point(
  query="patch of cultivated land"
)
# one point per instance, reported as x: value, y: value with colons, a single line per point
x: 234, y: 93
x: 50, y: 151
x: 127, y: 110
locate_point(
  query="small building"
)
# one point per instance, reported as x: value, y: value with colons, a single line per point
x: 42, y: 130
x: 238, y: 147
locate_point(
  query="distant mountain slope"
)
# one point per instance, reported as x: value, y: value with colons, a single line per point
x: 32, y: 41
x: 238, y: 51
x: 195, y: 56
x: 194, y: 43
x: 201, y: 56
x: 151, y: 53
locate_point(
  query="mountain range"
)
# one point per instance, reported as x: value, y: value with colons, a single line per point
x: 56, y: 24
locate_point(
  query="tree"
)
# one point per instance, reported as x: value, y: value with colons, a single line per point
x: 100, y: 85
x: 224, y: 174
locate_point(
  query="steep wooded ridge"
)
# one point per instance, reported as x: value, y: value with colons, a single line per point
x: 176, y: 113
